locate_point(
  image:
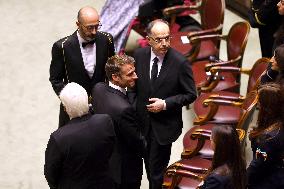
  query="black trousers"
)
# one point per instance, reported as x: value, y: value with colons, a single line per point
x: 156, y: 161
x: 266, y: 40
x: 134, y: 185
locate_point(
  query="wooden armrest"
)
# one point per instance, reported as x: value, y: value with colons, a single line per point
x: 222, y: 63
x: 184, y: 173
x: 233, y: 98
x: 222, y: 102
x: 241, y: 133
x: 214, y: 79
x: 175, y: 10
x: 215, y: 69
x: 204, y: 32
x: 201, y: 135
x: 186, y: 167
x: 198, y: 39
x: 210, y: 83
x: 213, y: 105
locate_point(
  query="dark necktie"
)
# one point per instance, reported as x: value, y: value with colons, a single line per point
x: 84, y: 44
x: 154, y: 71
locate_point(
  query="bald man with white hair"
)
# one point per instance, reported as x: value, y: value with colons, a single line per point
x: 81, y: 57
x: 77, y: 155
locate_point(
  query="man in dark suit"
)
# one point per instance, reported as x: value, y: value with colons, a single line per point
x: 80, y: 57
x: 267, y: 21
x: 164, y: 85
x: 77, y: 155
x: 126, y: 163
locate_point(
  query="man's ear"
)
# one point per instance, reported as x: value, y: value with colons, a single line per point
x: 115, y: 77
x: 148, y: 38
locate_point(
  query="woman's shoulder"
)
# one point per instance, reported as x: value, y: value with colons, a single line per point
x: 267, y: 134
x: 216, y: 180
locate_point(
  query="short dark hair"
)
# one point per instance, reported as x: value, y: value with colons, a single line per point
x: 151, y: 24
x: 114, y: 64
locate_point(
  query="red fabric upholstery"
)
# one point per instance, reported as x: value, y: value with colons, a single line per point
x: 208, y: 47
x: 195, y: 162
x: 225, y: 114
x: 188, y: 183
x: 199, y: 75
x: 188, y: 143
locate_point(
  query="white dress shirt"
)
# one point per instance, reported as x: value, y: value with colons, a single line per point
x: 88, y: 55
x: 161, y: 59
x: 123, y: 90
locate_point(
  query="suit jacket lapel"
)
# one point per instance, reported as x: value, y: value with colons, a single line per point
x: 163, y: 72
x: 146, y: 66
x: 115, y: 91
x: 99, y: 53
x: 77, y: 57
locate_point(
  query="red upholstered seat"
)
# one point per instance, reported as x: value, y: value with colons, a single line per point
x: 195, y: 164
x: 209, y: 48
x: 231, y: 113
x: 225, y: 114
x: 211, y: 21
x: 236, y: 42
x: 188, y: 173
x: 188, y: 143
x: 228, y: 81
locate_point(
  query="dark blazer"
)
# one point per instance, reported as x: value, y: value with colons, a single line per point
x: 77, y: 155
x: 217, y: 181
x: 126, y: 163
x: 174, y: 84
x: 267, y: 173
x: 67, y: 63
x: 269, y: 76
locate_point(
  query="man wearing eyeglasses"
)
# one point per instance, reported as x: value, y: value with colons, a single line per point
x: 80, y: 57
x: 165, y: 84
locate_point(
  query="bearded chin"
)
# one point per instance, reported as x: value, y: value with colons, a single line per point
x: 90, y: 37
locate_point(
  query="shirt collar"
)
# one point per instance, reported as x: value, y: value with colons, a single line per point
x: 123, y: 90
x: 161, y: 58
x: 81, y: 40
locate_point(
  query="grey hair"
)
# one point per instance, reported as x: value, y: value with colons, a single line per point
x: 75, y: 100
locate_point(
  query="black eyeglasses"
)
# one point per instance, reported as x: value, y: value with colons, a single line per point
x: 92, y: 27
x: 160, y: 39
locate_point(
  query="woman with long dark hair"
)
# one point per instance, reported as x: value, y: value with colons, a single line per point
x: 228, y: 165
x: 266, y: 170
x: 275, y: 72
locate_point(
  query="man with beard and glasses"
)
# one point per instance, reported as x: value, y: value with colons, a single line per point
x: 80, y: 57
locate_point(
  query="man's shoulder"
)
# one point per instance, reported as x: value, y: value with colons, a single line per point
x: 99, y: 86
x: 100, y: 118
x: 98, y: 123
x: 141, y: 50
x: 106, y: 35
x: 73, y: 127
x: 177, y: 56
x: 64, y: 39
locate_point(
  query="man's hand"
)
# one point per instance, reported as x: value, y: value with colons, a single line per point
x: 156, y: 105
